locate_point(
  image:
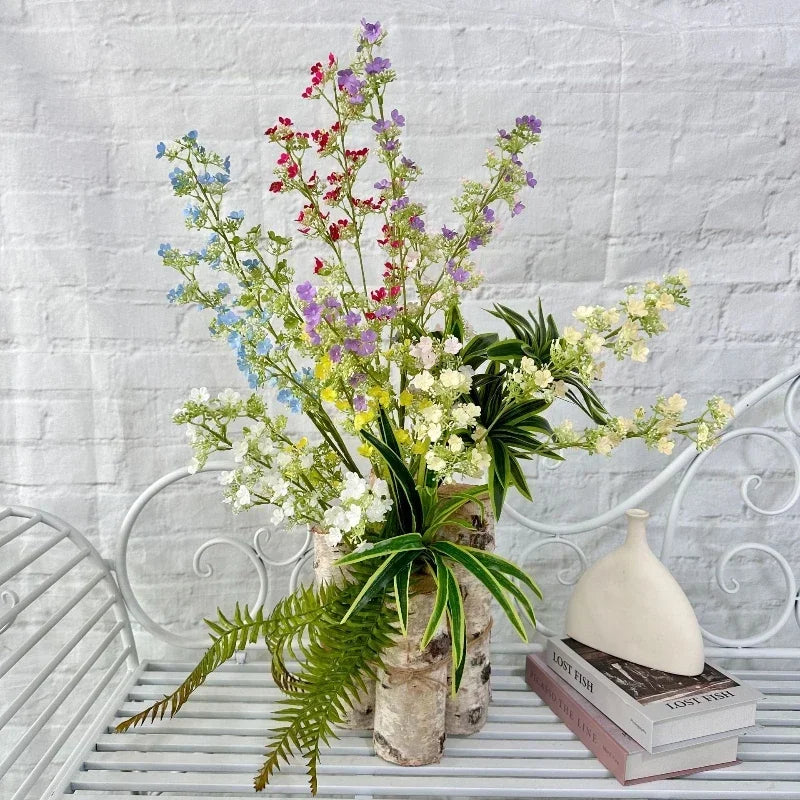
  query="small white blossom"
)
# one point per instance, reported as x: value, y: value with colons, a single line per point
x: 665, y: 445
x: 333, y: 536
x: 242, y: 496
x: 455, y: 443
x: 434, y: 462
x: 355, y: 487
x: 674, y: 404
x: 639, y: 352
x: 200, y: 395
x: 423, y: 381
x: 604, y: 445
x: 239, y: 451
x: 665, y: 302
x: 636, y: 307
x: 432, y: 413
x: 453, y: 379
x: 721, y: 409
x: 452, y: 346
x: 572, y: 335
x: 229, y: 398
x: 542, y: 378
x: 465, y: 413
x: 594, y: 343
x: 480, y: 459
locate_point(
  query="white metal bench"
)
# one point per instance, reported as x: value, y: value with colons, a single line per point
x: 56, y: 721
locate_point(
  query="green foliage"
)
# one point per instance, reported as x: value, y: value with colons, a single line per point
x: 408, y: 504
x: 535, y: 339
x: 514, y: 430
x: 337, y: 658
x: 227, y: 636
x: 511, y: 435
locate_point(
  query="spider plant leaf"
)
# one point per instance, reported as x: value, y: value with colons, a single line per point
x: 402, y: 579
x: 497, y: 563
x: 439, y: 603
x: 457, y: 621
x: 397, y: 544
x: 461, y: 555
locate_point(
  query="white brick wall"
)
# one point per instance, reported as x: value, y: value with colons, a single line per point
x: 670, y: 139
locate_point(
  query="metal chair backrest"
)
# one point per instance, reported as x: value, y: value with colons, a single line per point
x: 61, y: 607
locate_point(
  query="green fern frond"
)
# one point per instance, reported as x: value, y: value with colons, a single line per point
x: 227, y: 637
x: 337, y: 661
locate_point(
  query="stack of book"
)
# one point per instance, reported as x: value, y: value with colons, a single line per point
x: 643, y: 724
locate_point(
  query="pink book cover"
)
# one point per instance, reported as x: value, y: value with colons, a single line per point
x: 609, y: 743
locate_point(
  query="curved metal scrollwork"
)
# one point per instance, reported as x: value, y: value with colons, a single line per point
x: 254, y: 552
x: 689, y: 462
x: 550, y: 534
x: 566, y: 577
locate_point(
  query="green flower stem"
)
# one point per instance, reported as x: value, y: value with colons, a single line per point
x: 458, y: 249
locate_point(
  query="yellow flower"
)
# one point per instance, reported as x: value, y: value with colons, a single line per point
x: 328, y: 394
x: 301, y: 443
x: 342, y: 405
x: 402, y: 435
x: 406, y: 398
x: 323, y: 368
x: 362, y: 418
x: 381, y: 395
x: 419, y: 447
x: 365, y: 449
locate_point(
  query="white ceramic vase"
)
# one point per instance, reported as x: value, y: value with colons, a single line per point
x: 630, y: 606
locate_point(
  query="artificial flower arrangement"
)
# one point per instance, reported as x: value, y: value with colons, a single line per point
x: 406, y: 399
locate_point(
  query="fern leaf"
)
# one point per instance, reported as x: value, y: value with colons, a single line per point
x: 228, y: 636
x: 337, y: 661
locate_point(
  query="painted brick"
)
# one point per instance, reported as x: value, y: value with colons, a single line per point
x: 669, y: 141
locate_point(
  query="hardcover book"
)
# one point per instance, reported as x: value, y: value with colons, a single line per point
x: 623, y: 757
x: 653, y: 707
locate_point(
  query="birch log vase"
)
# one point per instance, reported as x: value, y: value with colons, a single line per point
x: 360, y: 715
x: 468, y: 710
x: 411, y: 692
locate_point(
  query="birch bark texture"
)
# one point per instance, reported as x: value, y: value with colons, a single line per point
x: 411, y: 691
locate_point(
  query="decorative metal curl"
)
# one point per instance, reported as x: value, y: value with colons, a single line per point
x: 732, y: 587
x: 206, y: 571
x: 563, y: 574
x: 258, y: 546
x: 789, y: 405
x: 121, y: 562
x: 294, y: 577
x: 747, y: 482
x: 10, y: 598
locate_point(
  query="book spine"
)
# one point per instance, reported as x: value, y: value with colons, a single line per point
x: 601, y: 693
x: 608, y: 751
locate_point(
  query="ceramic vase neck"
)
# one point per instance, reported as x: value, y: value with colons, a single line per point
x: 637, y: 528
